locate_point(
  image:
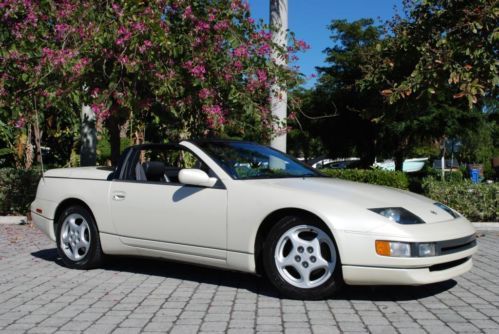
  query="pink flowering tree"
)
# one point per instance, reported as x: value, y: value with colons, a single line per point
x: 178, y: 68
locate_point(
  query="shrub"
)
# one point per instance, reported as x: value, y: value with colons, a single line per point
x: 477, y: 202
x: 380, y: 177
x: 17, y: 189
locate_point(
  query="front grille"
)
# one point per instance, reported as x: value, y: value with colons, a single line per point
x: 448, y: 265
x: 455, y: 245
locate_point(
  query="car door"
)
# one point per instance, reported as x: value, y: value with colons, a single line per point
x: 157, y: 212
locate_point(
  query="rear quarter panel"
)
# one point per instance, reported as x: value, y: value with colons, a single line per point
x: 53, y: 191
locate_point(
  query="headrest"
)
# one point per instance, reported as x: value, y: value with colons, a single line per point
x: 154, y: 170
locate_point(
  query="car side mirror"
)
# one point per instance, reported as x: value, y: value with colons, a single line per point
x: 196, y: 177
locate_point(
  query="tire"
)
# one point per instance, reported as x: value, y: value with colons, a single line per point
x: 77, y: 239
x: 301, y: 260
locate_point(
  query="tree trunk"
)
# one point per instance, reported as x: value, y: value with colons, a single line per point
x: 28, y: 158
x: 399, y: 161
x: 38, y: 142
x: 114, y: 139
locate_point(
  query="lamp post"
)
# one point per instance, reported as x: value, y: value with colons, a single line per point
x: 278, y: 95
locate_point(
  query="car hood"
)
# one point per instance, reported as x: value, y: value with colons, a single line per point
x: 361, y: 195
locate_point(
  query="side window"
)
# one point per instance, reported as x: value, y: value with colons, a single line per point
x: 164, y: 164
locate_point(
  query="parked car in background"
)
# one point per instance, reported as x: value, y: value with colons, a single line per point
x: 247, y: 207
x: 349, y: 163
x: 450, y: 164
x: 337, y: 163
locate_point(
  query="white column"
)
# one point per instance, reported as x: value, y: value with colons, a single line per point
x: 279, y: 97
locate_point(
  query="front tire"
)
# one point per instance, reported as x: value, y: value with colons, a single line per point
x: 301, y: 259
x: 77, y: 238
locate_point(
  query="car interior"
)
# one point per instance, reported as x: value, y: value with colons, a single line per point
x: 164, y: 164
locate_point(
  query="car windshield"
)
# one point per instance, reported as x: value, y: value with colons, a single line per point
x: 243, y: 160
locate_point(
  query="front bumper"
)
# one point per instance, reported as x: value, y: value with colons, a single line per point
x: 362, y: 266
x: 397, y: 276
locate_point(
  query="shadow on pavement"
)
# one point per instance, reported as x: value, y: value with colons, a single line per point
x: 255, y: 284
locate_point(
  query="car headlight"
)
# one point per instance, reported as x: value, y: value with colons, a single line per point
x: 426, y: 249
x: 399, y: 215
x: 444, y: 207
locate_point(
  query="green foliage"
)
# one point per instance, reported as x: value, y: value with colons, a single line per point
x: 477, y: 202
x: 454, y: 176
x: 337, y: 111
x: 373, y: 176
x: 17, y: 189
x: 450, y: 46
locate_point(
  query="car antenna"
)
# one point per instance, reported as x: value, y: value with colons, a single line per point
x: 40, y: 145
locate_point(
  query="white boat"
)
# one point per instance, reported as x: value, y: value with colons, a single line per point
x: 410, y: 165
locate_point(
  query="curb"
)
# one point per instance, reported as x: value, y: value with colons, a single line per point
x: 12, y: 220
x: 486, y: 226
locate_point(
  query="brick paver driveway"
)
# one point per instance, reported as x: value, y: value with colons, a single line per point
x: 39, y: 295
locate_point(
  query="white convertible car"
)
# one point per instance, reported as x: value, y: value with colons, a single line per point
x: 243, y: 206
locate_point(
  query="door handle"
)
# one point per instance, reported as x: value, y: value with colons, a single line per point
x: 118, y: 196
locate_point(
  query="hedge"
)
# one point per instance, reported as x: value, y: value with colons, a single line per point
x: 395, y: 179
x: 17, y: 189
x: 477, y: 202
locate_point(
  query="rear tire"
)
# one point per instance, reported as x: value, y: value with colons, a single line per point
x: 77, y: 239
x: 301, y: 259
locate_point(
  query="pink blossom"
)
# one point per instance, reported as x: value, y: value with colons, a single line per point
x: 145, y: 46
x: 238, y: 66
x: 213, y: 110
x: 95, y: 92
x: 21, y: 121
x: 124, y: 35
x: 80, y: 65
x: 123, y: 60
x: 66, y: 9
x: 198, y: 71
x: 100, y: 110
x: 214, y: 115
x: 265, y: 35
x: 221, y: 25
x: 57, y: 57
x: 251, y: 20
x: 241, y: 51
x: 202, y: 25
x: 31, y: 18
x: 302, y: 45
x: 261, y: 75
x: 61, y: 29
x: 117, y: 9
x: 188, y: 13
x: 263, y: 50
x: 197, y: 41
x: 205, y: 93
x: 139, y: 26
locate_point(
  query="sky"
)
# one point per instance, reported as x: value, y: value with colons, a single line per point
x: 309, y: 19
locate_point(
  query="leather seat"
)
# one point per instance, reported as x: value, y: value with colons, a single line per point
x: 155, y: 171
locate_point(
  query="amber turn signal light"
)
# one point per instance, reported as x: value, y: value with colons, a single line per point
x: 383, y: 247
